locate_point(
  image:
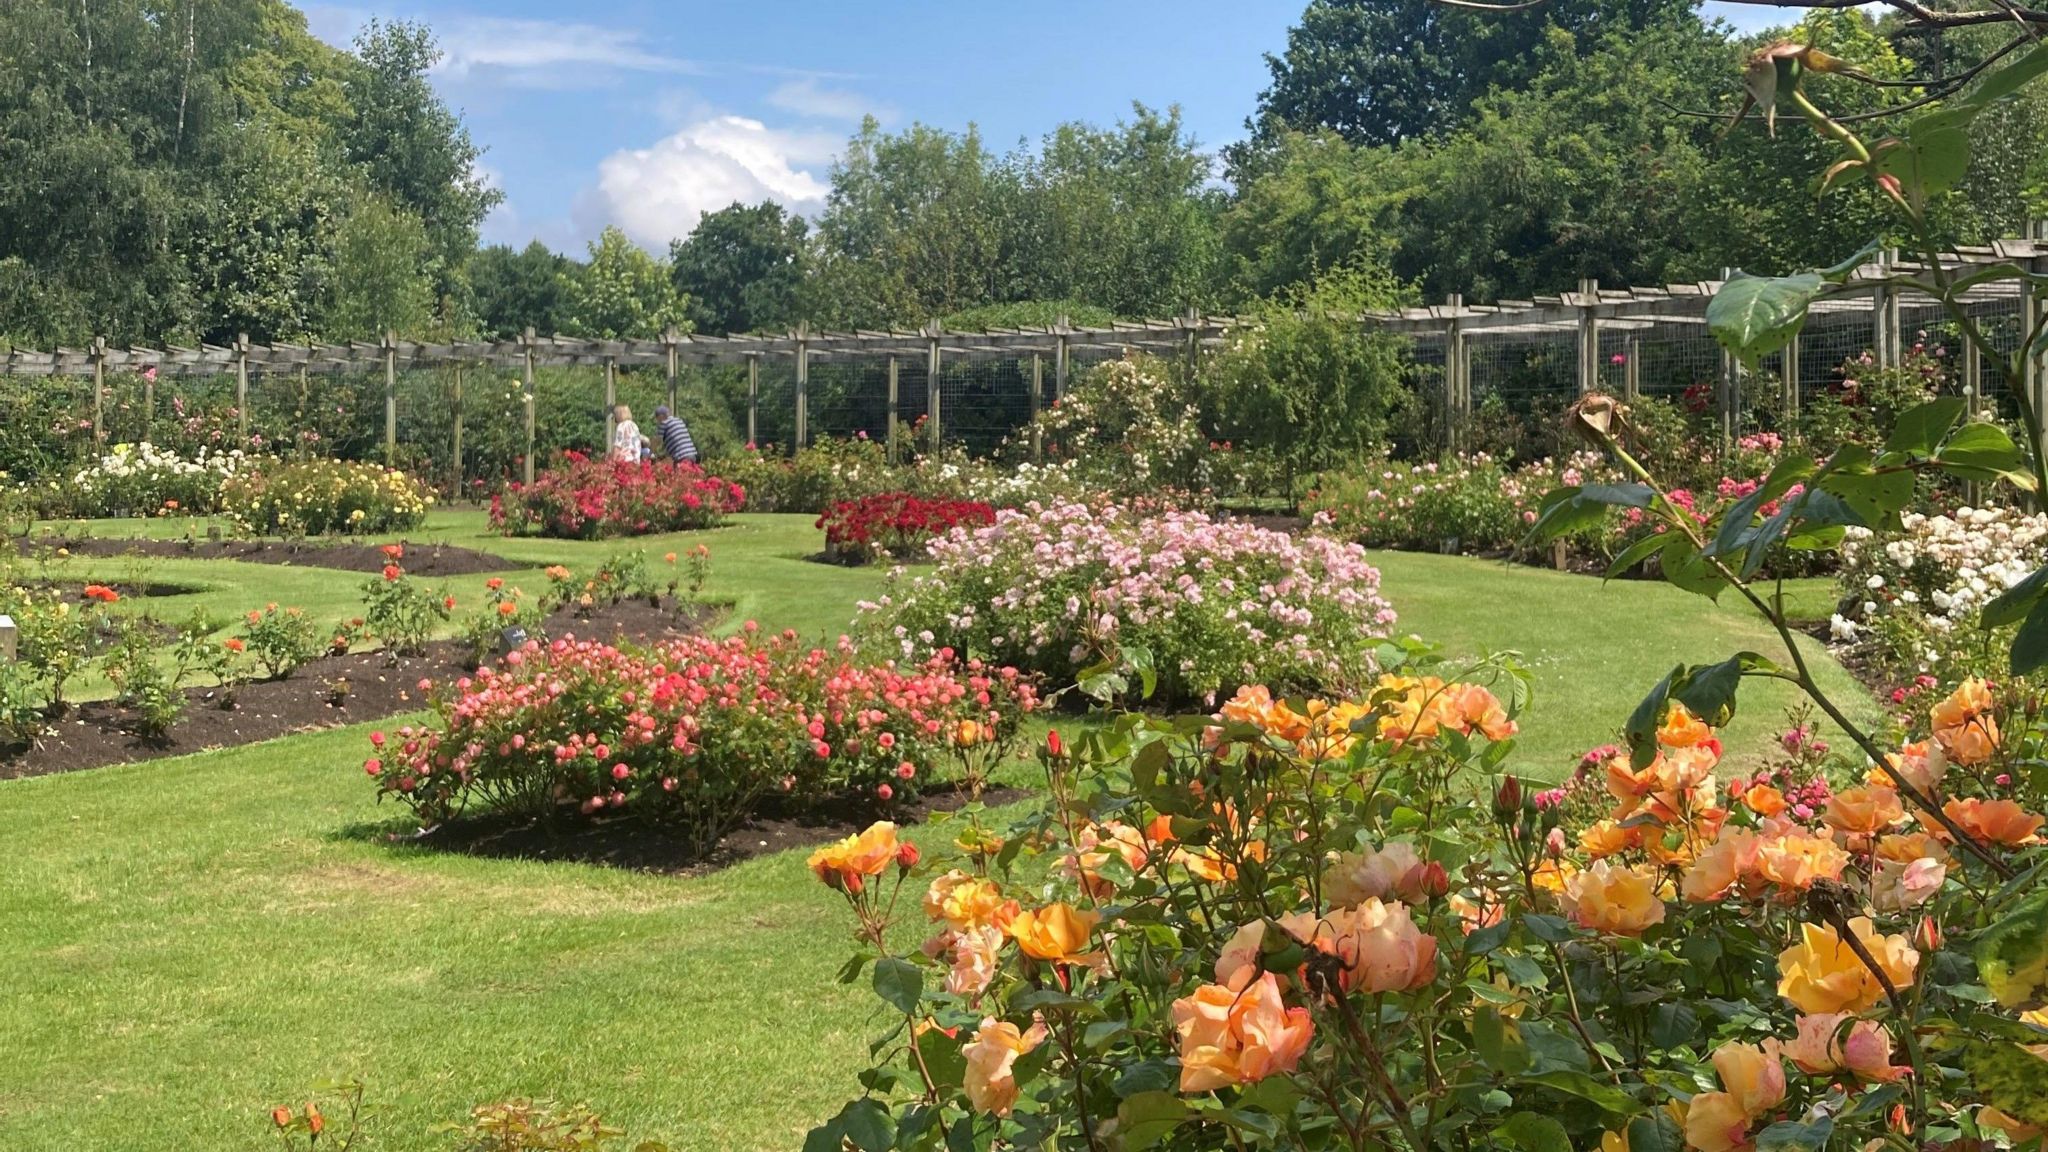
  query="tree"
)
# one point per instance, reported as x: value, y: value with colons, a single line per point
x: 622, y: 292
x: 1321, y: 203
x: 1385, y: 71
x: 743, y: 268
x: 519, y: 289
x: 413, y: 148
x: 381, y: 283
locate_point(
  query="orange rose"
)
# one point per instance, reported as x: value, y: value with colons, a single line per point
x: 1999, y: 821
x: 1355, y: 877
x: 1764, y: 800
x: 1479, y: 710
x: 964, y: 902
x: 1821, y: 974
x: 1864, y: 810
x: 1794, y: 861
x: 1754, y: 1076
x: 1921, y: 764
x: 1238, y: 1037
x: 975, y: 956
x: 1055, y: 932
x: 845, y: 863
x: 1725, y: 864
x: 1964, y: 726
x: 1609, y: 898
x: 1093, y: 846
x: 967, y: 734
x: 1681, y: 729
x: 991, y: 1081
x: 1714, y: 1122
x: 1380, y: 946
x: 1608, y: 838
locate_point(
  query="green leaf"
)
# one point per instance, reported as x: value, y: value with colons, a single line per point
x: 2031, y: 66
x: 1643, y: 723
x: 1532, y: 1132
x: 1789, y: 471
x: 1921, y: 429
x: 1673, y: 1024
x: 1928, y: 161
x: 868, y: 1124
x: 1649, y: 545
x: 1793, y: 1136
x: 1685, y: 567
x: 2012, y: 955
x: 2030, y: 643
x: 899, y: 982
x: 1708, y: 690
x: 1754, y: 316
x: 1148, y: 1118
x: 2009, y: 1078
x: 1874, y: 497
x: 2015, y: 602
x: 1980, y: 445
x: 1608, y: 1098
x: 1657, y: 1132
x: 1574, y: 507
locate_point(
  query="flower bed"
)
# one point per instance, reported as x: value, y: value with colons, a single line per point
x: 145, y: 479
x: 1205, y: 605
x: 1910, y: 604
x: 894, y: 524
x: 581, y: 498
x: 315, y: 497
x: 695, y: 732
x: 1286, y: 927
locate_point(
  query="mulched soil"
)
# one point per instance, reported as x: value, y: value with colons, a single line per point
x: 98, y: 733
x: 633, y: 844
x: 420, y: 559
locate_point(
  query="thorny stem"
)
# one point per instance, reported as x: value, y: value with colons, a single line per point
x: 1848, y: 936
x: 1397, y: 1105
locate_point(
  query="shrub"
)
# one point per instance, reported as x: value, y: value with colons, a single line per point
x: 399, y: 611
x: 1467, y: 503
x: 585, y: 499
x: 316, y: 497
x: 54, y: 640
x: 894, y: 524
x: 1129, y: 425
x: 145, y: 479
x: 818, y: 476
x: 1331, y: 925
x: 281, y: 639
x: 1910, y: 603
x: 21, y: 707
x: 1211, y: 604
x: 693, y: 732
x: 141, y: 684
x: 504, y: 607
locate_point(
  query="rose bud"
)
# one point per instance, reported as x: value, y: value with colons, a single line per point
x: 907, y: 856
x: 281, y: 1116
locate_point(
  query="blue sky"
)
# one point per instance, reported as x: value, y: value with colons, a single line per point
x: 642, y: 114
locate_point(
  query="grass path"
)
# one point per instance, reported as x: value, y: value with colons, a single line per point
x: 191, y: 941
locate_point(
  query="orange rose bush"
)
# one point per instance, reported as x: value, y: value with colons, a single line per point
x: 1347, y: 924
x: 695, y: 733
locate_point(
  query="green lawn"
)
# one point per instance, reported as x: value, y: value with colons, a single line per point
x: 191, y: 941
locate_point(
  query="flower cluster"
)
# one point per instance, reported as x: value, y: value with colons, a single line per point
x: 694, y: 731
x: 143, y: 478
x: 315, y: 497
x: 894, y: 524
x: 1470, y: 503
x: 1212, y: 604
x: 1297, y: 924
x: 585, y: 499
x: 1911, y: 600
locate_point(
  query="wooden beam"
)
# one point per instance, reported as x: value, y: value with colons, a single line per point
x: 390, y: 398
x: 526, y: 461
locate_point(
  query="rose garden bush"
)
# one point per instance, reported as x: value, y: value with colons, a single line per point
x: 582, y: 498
x: 316, y: 497
x: 143, y: 478
x: 894, y: 524
x: 1202, y: 605
x: 695, y: 732
x: 1910, y: 602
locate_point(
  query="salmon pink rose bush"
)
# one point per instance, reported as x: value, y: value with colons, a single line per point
x: 695, y: 732
x: 1205, y: 605
x: 1348, y: 924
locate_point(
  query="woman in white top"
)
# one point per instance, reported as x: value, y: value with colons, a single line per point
x: 625, y: 436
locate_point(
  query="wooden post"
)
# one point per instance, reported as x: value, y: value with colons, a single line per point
x: 2034, y: 361
x: 526, y: 461
x: 803, y: 385
x: 1589, y: 336
x: 1730, y: 390
x: 149, y: 402
x: 1193, y: 324
x: 1973, y: 400
x: 390, y: 398
x: 753, y: 399
x: 895, y: 408
x: 1884, y: 316
x: 611, y: 402
x: 1060, y: 366
x: 933, y: 369
x: 1037, y: 402
x: 1631, y: 366
x: 455, y: 447
x: 1457, y: 362
x: 99, y: 393
x: 670, y: 339
x: 1788, y: 380
x: 242, y: 386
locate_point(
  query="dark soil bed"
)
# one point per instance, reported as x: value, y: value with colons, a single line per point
x: 631, y: 843
x: 99, y: 733
x: 420, y: 559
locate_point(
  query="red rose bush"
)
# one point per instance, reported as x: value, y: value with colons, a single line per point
x: 897, y: 524
x: 585, y: 499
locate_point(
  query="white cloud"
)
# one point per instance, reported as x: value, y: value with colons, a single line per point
x: 805, y: 97
x: 548, y: 53
x: 656, y: 194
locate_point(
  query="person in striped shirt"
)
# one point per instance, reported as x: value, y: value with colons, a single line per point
x: 675, y: 436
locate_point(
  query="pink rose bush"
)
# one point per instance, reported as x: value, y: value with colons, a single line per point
x: 695, y: 732
x: 1204, y: 605
x: 581, y: 498
x: 1337, y: 924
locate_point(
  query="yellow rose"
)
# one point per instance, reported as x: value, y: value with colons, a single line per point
x: 1964, y: 726
x: 843, y: 864
x: 1609, y: 898
x: 965, y: 902
x: 1754, y: 1076
x: 1055, y: 932
x: 1821, y: 974
x: 1714, y: 1122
